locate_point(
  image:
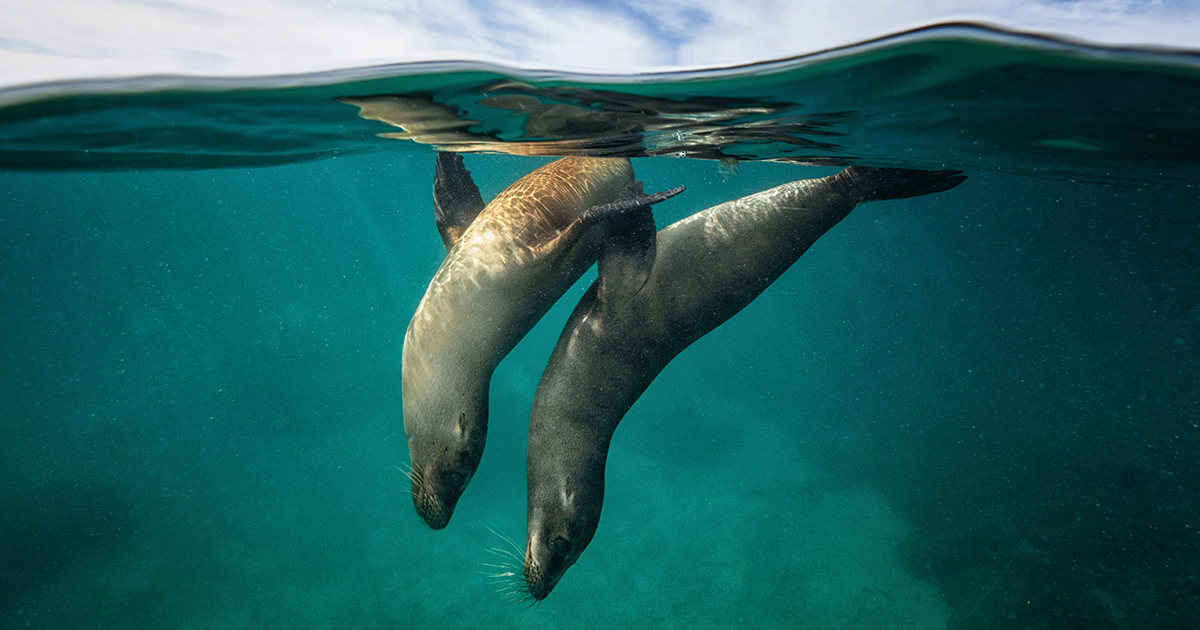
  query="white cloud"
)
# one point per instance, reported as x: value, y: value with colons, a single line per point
x: 580, y: 37
x: 744, y: 31
x: 63, y: 39
x: 110, y: 37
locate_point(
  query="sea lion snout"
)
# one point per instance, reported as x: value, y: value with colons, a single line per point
x: 431, y: 510
x: 538, y: 588
x: 435, y: 508
x: 444, y: 461
x: 542, y: 575
x: 548, y: 555
x: 436, y: 493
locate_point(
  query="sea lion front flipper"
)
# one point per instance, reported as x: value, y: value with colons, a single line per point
x: 456, y: 198
x: 630, y: 202
x: 627, y: 258
x: 631, y: 190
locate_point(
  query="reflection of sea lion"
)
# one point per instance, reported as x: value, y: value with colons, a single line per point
x: 508, y: 263
x: 643, y: 310
x: 524, y: 119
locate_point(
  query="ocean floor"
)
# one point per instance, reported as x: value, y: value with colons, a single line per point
x: 314, y: 536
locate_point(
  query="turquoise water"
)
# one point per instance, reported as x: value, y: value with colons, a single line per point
x: 977, y: 409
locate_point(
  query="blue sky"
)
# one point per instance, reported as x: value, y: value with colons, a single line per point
x: 45, y: 40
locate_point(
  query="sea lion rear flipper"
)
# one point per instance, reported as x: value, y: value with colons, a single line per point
x: 456, y: 198
x: 878, y: 184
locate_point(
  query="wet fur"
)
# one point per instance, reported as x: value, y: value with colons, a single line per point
x: 626, y: 329
x: 505, y: 270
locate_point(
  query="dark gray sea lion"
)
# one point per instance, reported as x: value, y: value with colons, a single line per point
x: 507, y: 264
x: 654, y: 297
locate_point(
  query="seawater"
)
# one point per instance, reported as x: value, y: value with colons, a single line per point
x: 978, y: 409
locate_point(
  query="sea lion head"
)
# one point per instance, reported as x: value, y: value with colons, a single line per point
x: 564, y: 512
x: 444, y: 452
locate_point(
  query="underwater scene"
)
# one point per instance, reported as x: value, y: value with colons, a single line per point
x: 972, y: 409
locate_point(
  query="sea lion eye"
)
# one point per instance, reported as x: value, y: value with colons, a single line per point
x: 456, y: 480
x: 560, y: 546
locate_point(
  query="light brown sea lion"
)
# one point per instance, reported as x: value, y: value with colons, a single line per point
x: 654, y: 297
x: 507, y: 264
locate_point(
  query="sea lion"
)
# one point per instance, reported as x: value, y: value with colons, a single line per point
x: 508, y: 262
x: 654, y: 297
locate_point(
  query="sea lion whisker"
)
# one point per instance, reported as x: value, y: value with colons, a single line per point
x: 405, y: 472
x: 499, y: 579
x: 506, y: 552
x: 413, y: 474
x: 511, y: 562
x: 495, y: 530
x: 503, y: 563
x: 510, y: 580
x: 517, y: 596
x: 506, y: 582
x: 506, y: 555
x: 498, y: 550
x: 506, y: 571
x: 509, y: 576
x: 503, y: 580
x: 511, y: 589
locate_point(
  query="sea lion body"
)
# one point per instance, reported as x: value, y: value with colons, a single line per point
x: 507, y: 264
x: 633, y: 321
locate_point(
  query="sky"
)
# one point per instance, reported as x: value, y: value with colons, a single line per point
x: 55, y: 40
